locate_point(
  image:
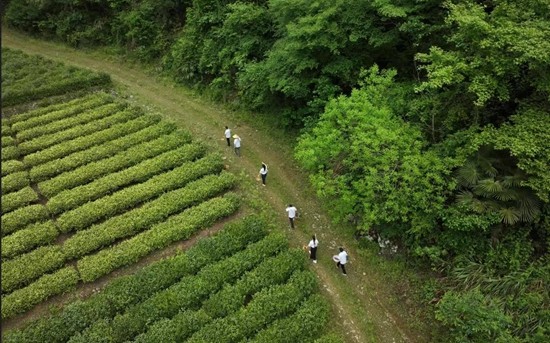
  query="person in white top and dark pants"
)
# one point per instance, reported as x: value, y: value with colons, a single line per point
x: 342, y: 260
x: 263, y: 173
x: 313, y: 248
x: 291, y: 214
x: 228, y: 135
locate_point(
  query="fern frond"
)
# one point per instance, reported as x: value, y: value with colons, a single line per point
x: 510, y: 215
x: 488, y: 188
x: 468, y: 174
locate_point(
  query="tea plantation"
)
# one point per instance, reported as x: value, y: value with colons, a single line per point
x: 92, y: 184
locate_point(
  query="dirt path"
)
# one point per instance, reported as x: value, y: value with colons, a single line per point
x: 364, y: 312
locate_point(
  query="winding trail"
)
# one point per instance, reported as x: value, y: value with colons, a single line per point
x: 361, y: 302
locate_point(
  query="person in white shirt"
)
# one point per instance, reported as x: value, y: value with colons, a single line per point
x: 228, y: 136
x: 237, y: 145
x: 313, y: 248
x: 342, y: 260
x: 291, y: 214
x: 263, y: 173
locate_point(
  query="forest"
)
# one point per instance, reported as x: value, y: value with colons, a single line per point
x: 424, y: 122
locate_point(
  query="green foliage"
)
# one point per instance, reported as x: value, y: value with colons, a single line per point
x: 132, y: 289
x: 330, y: 338
x: 118, y: 202
x: 303, y: 325
x: 490, y: 182
x: 10, y: 153
x: 47, y: 78
x: 98, y: 122
x: 178, y: 328
x: 121, y: 160
x: 34, y: 123
x: 48, y: 285
x: 12, y: 166
x: 25, y: 268
x: 187, y: 293
x: 274, y: 270
x: 18, y: 199
x: 473, y: 317
x: 527, y: 138
x: 271, y: 272
x: 523, y: 294
x: 266, y: 306
x: 144, y: 27
x: 21, y: 217
x: 370, y: 164
x: 144, y: 217
x: 495, y: 57
x: 84, y: 142
x: 142, y: 172
x: 46, y: 113
x: 178, y: 227
x: 7, y: 141
x: 15, y: 181
x: 98, y: 152
x: 30, y: 237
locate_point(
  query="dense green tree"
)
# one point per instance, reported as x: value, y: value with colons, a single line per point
x: 372, y: 166
x: 322, y: 46
x: 219, y: 40
x: 497, y: 54
x: 144, y: 27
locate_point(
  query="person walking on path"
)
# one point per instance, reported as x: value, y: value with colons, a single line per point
x: 228, y: 136
x: 341, y: 259
x: 263, y: 173
x: 313, y: 248
x: 237, y: 145
x: 291, y: 214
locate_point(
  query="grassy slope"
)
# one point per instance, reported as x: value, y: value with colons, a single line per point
x: 365, y: 306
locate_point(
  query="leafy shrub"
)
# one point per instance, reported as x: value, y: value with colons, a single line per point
x: 6, y: 130
x: 330, y: 338
x: 57, y: 111
x: 15, y: 200
x: 178, y: 227
x: 81, y: 143
x: 25, y: 268
x: 48, y: 285
x: 473, y: 317
x: 10, y: 153
x: 28, y: 238
x: 95, y: 153
x: 302, y: 326
x: 48, y: 78
x: 106, y: 117
x: 141, y: 172
x: 177, y: 329
x: 12, y: 166
x: 122, y: 160
x: 187, y: 293
x: 15, y: 181
x: 7, y: 141
x: 116, y: 203
x: 22, y: 217
x: 129, y: 290
x: 144, y: 217
x: 271, y: 272
x: 32, y: 123
x: 266, y: 306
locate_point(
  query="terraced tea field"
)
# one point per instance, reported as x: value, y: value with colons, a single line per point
x: 92, y: 184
